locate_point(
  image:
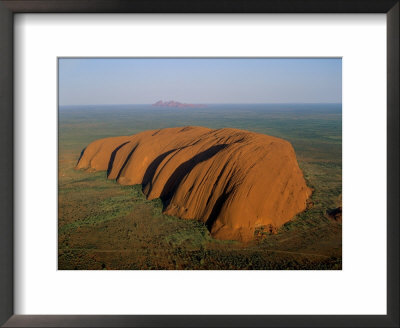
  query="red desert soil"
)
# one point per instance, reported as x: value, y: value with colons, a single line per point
x: 232, y: 180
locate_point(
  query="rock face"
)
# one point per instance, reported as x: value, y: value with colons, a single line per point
x: 177, y: 104
x: 233, y: 180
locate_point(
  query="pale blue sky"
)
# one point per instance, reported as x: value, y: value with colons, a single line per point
x: 109, y: 81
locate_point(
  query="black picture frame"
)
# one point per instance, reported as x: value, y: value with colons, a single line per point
x: 10, y: 7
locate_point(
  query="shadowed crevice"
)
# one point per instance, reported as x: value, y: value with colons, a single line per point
x: 151, y: 170
x: 184, y: 169
x: 216, y: 210
x: 126, y: 162
x: 80, y: 156
x: 112, y: 158
x: 216, y: 183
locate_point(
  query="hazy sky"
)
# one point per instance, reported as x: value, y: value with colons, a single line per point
x: 145, y: 81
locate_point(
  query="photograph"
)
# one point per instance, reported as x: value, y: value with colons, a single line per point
x: 199, y: 163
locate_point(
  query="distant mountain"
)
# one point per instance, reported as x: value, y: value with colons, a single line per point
x: 177, y: 104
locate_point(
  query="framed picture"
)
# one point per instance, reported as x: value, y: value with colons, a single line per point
x: 187, y: 164
x: 193, y: 160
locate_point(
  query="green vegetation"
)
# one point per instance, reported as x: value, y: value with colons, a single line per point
x: 103, y: 225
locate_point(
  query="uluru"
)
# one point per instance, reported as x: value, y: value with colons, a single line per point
x: 232, y: 180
